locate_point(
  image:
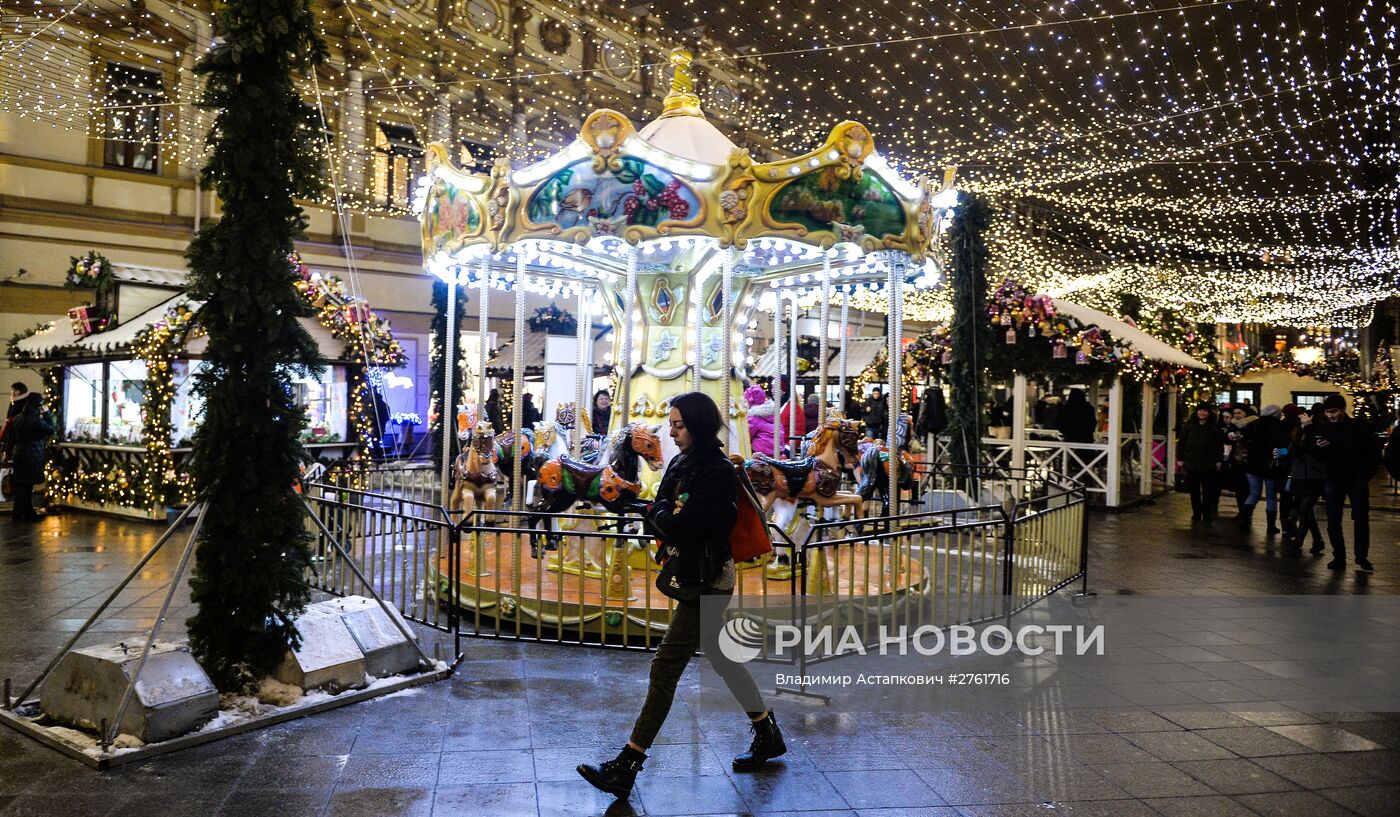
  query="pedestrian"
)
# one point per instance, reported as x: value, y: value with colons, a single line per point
x: 692, y: 517
x: 853, y: 411
x: 32, y: 428
x: 1289, y: 424
x: 1265, y: 445
x: 1241, y: 431
x: 1077, y: 419
x: 1392, y: 453
x: 1201, y: 444
x: 876, y: 412
x: 1349, y: 449
x: 529, y: 414
x: 601, y: 414
x: 811, y: 410
x: 18, y: 393
x: 1305, y: 480
x: 493, y: 411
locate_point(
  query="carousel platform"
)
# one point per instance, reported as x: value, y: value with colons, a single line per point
x: 610, y: 596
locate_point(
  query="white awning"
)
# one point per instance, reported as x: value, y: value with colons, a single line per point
x: 860, y: 353
x: 535, y: 352
x: 1150, y: 347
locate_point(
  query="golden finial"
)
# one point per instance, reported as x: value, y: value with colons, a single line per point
x: 681, y: 101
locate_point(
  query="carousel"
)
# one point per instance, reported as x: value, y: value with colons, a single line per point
x: 685, y: 243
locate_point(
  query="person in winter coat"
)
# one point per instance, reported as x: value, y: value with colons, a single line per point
x: 1392, y: 453
x: 1288, y: 425
x: 529, y: 412
x: 791, y: 416
x: 764, y: 424
x: 31, y: 429
x: 694, y: 511
x: 1266, y: 443
x: 493, y: 410
x: 1307, y: 471
x: 876, y: 415
x: 933, y: 417
x: 1201, y: 445
x: 811, y: 410
x: 1349, y: 449
x: 1077, y: 419
x: 1239, y: 432
x: 18, y: 394
x: 601, y: 412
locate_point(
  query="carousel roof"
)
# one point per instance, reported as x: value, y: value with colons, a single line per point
x: 860, y: 353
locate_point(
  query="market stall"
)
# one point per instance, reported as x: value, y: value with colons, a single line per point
x: 122, y: 386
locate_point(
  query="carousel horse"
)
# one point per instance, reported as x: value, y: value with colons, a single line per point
x: 615, y: 484
x: 593, y: 444
x: 475, y: 474
x: 873, y: 472
x: 815, y: 477
x: 507, y: 453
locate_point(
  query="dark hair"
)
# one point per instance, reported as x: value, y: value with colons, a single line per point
x: 1246, y: 408
x: 19, y: 387
x: 600, y: 393
x: 700, y: 415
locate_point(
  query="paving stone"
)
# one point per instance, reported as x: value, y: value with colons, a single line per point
x: 381, y: 800
x: 497, y: 800
x: 1252, y: 741
x: 1237, y: 776
x: 1369, y: 801
x: 1210, y: 806
x: 1151, y: 779
x: 1293, y: 804
x: 1326, y: 737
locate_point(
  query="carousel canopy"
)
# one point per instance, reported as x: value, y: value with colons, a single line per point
x: 673, y: 192
x: 860, y: 353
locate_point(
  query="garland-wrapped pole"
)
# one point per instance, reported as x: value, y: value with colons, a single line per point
x: 892, y: 285
x: 791, y: 394
x: 967, y: 334
x: 249, y: 582
x: 517, y: 385
x: 696, y: 310
x: 845, y: 344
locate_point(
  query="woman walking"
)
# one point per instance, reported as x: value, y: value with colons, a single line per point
x: 1202, y: 449
x: 692, y: 516
x: 1305, y: 482
x: 31, y: 429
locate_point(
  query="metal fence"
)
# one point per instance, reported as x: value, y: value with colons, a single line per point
x: 965, y: 545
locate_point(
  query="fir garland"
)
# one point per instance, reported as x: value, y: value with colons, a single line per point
x: 435, y: 369
x: 253, y: 549
x: 968, y: 332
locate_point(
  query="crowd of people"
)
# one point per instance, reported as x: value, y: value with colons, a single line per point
x: 1293, y: 460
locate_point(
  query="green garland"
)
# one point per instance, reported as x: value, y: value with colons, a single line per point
x: 253, y: 549
x: 435, y: 369
x: 968, y: 332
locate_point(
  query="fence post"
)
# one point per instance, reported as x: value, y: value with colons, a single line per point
x: 1084, y: 541
x: 1008, y: 514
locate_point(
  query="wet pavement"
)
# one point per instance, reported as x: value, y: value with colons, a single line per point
x: 503, y: 735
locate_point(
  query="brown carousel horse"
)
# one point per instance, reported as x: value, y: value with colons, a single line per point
x: 475, y: 473
x: 815, y: 477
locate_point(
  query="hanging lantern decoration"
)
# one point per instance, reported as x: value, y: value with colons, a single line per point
x: 1011, y: 336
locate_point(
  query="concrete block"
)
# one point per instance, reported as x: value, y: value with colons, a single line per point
x: 173, y: 695
x: 328, y: 659
x: 387, y: 651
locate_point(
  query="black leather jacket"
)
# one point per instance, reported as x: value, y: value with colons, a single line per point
x: 698, y: 532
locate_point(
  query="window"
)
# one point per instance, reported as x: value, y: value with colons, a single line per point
x: 398, y: 163
x: 1240, y: 394
x: 131, y: 118
x: 1308, y: 399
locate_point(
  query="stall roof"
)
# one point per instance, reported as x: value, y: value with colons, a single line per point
x: 58, y: 338
x: 535, y: 345
x: 860, y: 353
x: 1150, y: 347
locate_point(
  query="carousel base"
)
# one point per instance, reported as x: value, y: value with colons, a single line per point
x: 610, y: 597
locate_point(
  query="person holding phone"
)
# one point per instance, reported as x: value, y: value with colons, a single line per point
x: 1348, y: 447
x: 694, y: 512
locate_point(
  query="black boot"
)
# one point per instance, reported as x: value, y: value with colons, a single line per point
x: 616, y: 777
x: 767, y: 744
x: 1272, y: 518
x: 1246, y: 514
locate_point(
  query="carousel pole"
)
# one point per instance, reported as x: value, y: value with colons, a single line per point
x: 581, y: 370
x: 624, y: 366
x: 517, y: 377
x: 697, y: 311
x: 483, y: 301
x: 727, y: 348
x: 892, y: 366
x: 779, y: 345
x: 793, y: 408
x: 826, y: 328
x: 845, y: 342
x: 449, y: 411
